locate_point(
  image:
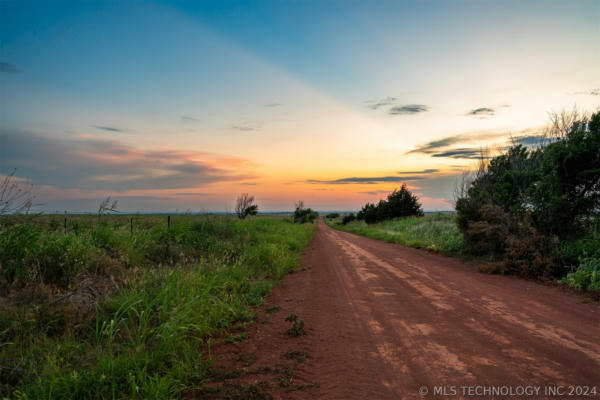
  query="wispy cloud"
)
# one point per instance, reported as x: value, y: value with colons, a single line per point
x: 482, y: 112
x: 109, y: 128
x: 375, y: 104
x: 190, y: 119
x: 530, y: 140
x: 93, y: 164
x: 443, y: 143
x: 192, y: 194
x: 408, y: 109
x: 273, y: 104
x: 246, y: 126
x: 8, y: 68
x: 376, y: 192
x: 423, y: 171
x: 364, y: 180
x: 468, y: 153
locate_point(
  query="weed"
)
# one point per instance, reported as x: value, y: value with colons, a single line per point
x: 298, y: 356
x: 586, y: 276
x: 232, y: 339
x: 273, y: 309
x: 247, y: 359
x: 285, y: 379
x: 297, y: 327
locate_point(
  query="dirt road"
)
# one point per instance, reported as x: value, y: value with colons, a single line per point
x: 383, y: 321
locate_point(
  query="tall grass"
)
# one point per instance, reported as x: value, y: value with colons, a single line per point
x: 433, y: 231
x: 148, y: 339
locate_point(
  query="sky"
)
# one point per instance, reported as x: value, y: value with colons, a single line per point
x: 185, y: 105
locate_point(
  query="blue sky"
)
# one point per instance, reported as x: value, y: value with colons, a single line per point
x: 186, y: 104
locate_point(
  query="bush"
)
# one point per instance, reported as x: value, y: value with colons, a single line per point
x: 586, y: 276
x: 245, y: 206
x: 303, y: 215
x: 348, y: 218
x: 399, y: 203
x: 332, y: 216
x: 525, y: 206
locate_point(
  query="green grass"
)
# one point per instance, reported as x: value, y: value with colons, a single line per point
x: 148, y: 335
x: 586, y: 276
x: 433, y: 231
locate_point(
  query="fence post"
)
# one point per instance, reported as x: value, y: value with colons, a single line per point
x: 131, y: 225
x: 168, y: 221
x: 65, y: 224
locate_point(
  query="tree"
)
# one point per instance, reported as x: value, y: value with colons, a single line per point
x: 568, y: 187
x: 403, y: 203
x: 399, y: 203
x: 244, y: 206
x: 526, y: 203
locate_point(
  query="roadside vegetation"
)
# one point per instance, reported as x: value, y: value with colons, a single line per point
x: 126, y: 306
x: 535, y: 211
x: 433, y: 231
x: 303, y: 215
x: 530, y: 211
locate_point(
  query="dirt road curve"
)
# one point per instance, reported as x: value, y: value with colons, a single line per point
x: 384, y: 320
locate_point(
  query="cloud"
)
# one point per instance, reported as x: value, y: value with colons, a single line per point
x: 365, y: 180
x: 109, y: 128
x: 435, y: 145
x: 424, y: 171
x: 274, y: 104
x: 408, y: 109
x: 530, y: 140
x: 376, y: 192
x: 387, y: 101
x: 246, y: 126
x: 189, y: 119
x: 192, y: 194
x: 8, y: 68
x: 94, y: 164
x: 482, y: 111
x: 468, y: 153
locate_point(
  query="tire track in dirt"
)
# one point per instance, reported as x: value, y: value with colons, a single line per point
x: 384, y: 320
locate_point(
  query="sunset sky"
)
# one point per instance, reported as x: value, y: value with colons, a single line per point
x: 175, y: 106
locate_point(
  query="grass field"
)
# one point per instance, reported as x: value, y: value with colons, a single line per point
x: 433, y: 231
x: 102, y: 312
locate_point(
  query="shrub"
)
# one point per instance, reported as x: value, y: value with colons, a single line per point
x: 586, y: 276
x: 524, y: 206
x: 348, y: 218
x: 303, y: 215
x: 245, y: 206
x: 399, y: 203
x: 332, y: 216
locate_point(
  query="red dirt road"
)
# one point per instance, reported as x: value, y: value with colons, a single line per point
x: 384, y: 320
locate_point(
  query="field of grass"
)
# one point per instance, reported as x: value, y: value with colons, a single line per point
x: 433, y: 231
x: 102, y: 312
